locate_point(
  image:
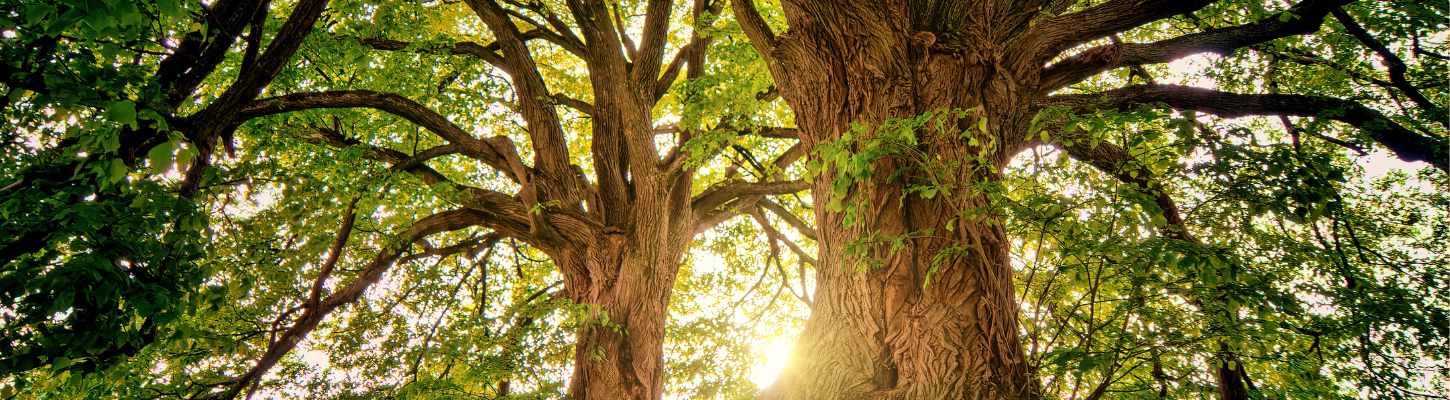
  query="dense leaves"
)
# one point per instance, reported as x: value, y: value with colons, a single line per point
x: 356, y: 199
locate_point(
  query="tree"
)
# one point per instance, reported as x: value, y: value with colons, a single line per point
x: 615, y: 232
x: 358, y: 141
x: 915, y: 108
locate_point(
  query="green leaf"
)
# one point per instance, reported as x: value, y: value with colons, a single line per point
x: 35, y: 13
x: 160, y: 158
x: 183, y: 158
x: 142, y: 306
x: 117, y: 171
x: 122, y: 111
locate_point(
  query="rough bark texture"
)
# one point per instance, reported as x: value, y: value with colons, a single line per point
x: 936, y: 318
x: 617, y: 237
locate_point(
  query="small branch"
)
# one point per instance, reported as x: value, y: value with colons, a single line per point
x: 774, y: 233
x: 630, y: 49
x: 334, y: 253
x: 1395, y: 65
x: 789, y: 218
x: 254, y: 38
x: 312, y: 316
x: 672, y: 71
x: 425, y: 155
x: 1415, y: 42
x: 1118, y: 163
x: 470, y: 246
x: 482, y: 52
x: 505, y: 213
x: 775, y: 236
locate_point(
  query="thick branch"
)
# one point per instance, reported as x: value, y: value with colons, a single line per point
x: 546, y: 134
x: 198, y: 54
x: 755, y: 27
x: 279, y: 52
x: 1065, y: 31
x: 576, y: 104
x: 652, y: 42
x: 1306, y: 18
x: 778, y: 133
x: 1406, y: 144
x: 711, y: 199
x: 706, y: 216
x: 496, y: 152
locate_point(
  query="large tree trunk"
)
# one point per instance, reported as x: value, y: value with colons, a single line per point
x: 618, y: 352
x: 936, y: 317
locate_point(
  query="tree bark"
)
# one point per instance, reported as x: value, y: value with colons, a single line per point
x: 932, y: 313
x: 937, y: 319
x: 619, y: 350
x: 936, y: 316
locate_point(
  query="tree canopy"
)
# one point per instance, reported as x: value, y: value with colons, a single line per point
x: 631, y: 199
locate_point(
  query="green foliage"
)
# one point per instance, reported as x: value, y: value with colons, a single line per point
x: 1297, y: 274
x: 1324, y: 280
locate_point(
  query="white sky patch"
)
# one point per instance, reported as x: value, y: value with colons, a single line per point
x: 1380, y: 163
x: 708, y: 262
x: 1191, y: 67
x: 775, y: 352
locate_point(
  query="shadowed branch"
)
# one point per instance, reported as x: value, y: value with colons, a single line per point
x: 1406, y: 144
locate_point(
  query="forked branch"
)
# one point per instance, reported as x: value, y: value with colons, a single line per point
x: 789, y: 218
